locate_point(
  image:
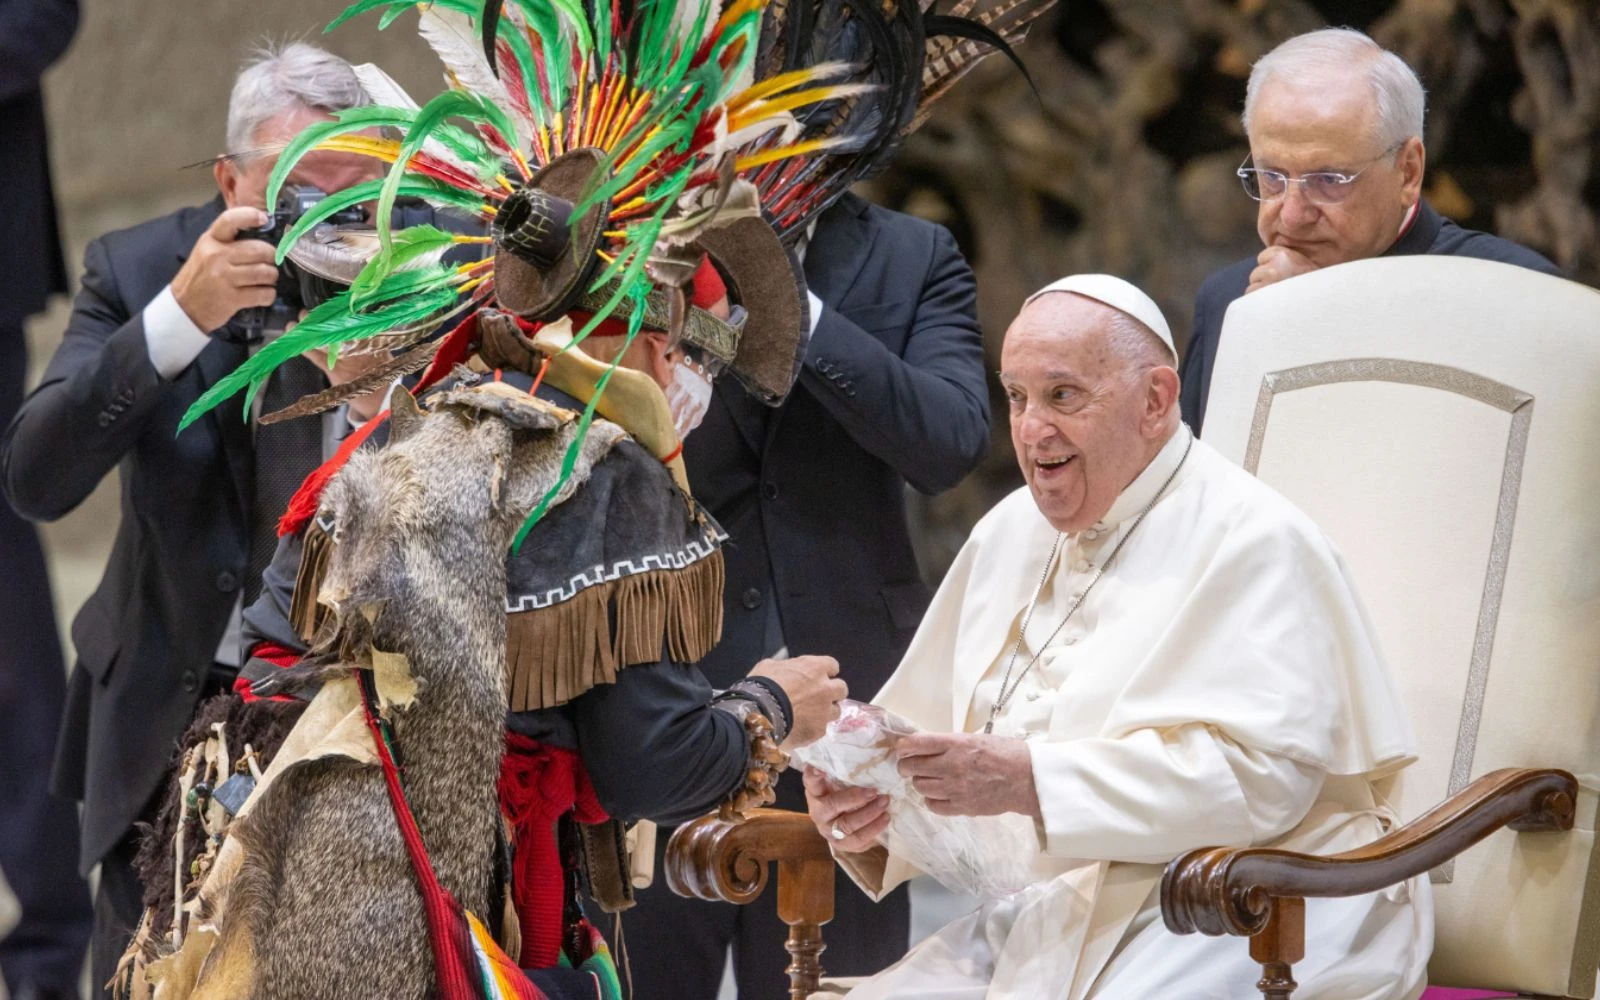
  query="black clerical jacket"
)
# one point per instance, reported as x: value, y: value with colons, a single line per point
x: 1429, y: 232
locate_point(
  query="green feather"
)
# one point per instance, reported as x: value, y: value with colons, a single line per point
x: 451, y: 103
x: 543, y: 21
x: 362, y: 6
x: 686, y: 46
x: 409, y: 244
x: 330, y: 323
x: 398, y: 7
x: 350, y: 120
x: 426, y: 188
x: 572, y: 10
x: 522, y: 52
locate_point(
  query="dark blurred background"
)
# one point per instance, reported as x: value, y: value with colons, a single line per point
x: 1123, y: 163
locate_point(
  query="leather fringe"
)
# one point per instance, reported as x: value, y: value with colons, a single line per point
x: 555, y: 654
x: 305, y: 614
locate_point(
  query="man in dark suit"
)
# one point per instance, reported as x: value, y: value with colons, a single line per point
x: 1336, y: 162
x: 161, y: 630
x: 43, y: 955
x: 812, y: 495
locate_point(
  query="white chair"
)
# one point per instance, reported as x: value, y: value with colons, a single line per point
x: 1439, y: 418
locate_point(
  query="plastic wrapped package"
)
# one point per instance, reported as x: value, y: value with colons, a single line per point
x: 985, y: 856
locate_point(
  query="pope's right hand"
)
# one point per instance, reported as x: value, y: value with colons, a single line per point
x: 814, y: 689
x: 850, y: 819
x: 225, y: 274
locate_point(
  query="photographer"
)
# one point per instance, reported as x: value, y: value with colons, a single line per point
x: 154, y: 326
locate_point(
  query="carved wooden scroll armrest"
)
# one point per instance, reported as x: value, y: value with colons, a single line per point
x: 714, y: 859
x: 1260, y: 892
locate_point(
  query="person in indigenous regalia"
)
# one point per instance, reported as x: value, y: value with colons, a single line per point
x: 526, y: 541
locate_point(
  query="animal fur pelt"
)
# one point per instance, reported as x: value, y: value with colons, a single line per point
x: 260, y: 725
x: 320, y: 898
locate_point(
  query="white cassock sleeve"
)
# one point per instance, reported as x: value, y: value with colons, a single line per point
x: 1153, y: 794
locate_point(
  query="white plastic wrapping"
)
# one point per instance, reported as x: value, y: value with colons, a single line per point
x: 985, y: 856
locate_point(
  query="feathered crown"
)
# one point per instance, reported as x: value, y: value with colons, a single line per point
x: 610, y: 150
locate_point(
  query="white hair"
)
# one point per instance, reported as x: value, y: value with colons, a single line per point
x: 278, y: 81
x: 1396, y: 91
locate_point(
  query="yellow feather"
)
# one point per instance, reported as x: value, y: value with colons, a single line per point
x: 737, y: 10
x: 784, y: 152
x: 798, y: 99
x: 785, y: 81
x: 363, y: 145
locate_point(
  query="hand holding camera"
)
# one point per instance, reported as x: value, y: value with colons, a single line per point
x: 225, y: 274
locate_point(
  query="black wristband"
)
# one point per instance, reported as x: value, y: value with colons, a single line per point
x: 759, y: 696
x: 784, y: 720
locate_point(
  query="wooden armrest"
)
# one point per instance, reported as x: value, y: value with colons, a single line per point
x: 713, y: 859
x: 1260, y: 892
x: 1219, y: 890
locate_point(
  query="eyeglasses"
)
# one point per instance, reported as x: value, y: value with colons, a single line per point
x: 1322, y: 187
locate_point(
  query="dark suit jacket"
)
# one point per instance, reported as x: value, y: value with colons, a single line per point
x: 33, y: 34
x: 812, y: 493
x: 1429, y: 233
x: 147, y: 636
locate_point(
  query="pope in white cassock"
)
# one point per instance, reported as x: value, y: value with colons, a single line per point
x: 1146, y: 650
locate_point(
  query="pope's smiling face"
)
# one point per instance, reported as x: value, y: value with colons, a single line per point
x: 1089, y: 409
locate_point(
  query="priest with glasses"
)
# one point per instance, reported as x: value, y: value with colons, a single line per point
x: 1336, y: 164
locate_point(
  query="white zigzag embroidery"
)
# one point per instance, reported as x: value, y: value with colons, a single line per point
x: 596, y: 575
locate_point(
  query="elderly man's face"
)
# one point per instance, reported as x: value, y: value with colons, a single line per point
x: 245, y: 183
x: 1308, y: 126
x: 1085, y: 417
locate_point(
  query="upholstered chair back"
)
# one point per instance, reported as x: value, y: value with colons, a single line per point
x: 1439, y: 417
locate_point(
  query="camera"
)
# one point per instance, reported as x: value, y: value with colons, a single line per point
x: 297, y: 289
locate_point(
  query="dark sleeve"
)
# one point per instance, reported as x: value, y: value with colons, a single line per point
x: 1497, y: 248
x: 925, y: 413
x: 91, y: 406
x: 33, y: 34
x: 655, y: 748
x: 267, y: 620
x: 1191, y: 375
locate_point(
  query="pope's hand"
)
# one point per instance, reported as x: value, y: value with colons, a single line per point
x: 1276, y: 263
x: 850, y: 819
x: 970, y: 774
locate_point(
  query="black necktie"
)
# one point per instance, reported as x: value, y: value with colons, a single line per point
x: 285, y: 453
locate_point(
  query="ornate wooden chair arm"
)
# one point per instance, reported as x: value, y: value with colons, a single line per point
x: 1260, y: 892
x: 713, y: 859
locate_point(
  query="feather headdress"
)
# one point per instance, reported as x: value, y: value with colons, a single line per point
x: 609, y: 147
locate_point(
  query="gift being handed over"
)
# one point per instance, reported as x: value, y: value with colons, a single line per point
x: 986, y: 856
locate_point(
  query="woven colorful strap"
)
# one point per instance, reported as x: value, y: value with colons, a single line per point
x: 469, y: 964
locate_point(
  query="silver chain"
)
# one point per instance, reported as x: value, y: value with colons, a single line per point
x: 1005, y: 693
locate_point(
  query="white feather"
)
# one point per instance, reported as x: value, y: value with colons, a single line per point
x: 383, y: 90
x: 380, y: 86
x: 459, y: 46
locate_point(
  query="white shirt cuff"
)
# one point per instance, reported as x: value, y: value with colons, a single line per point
x: 816, y: 309
x: 170, y: 336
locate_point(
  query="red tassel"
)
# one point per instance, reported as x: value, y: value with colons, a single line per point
x: 538, y: 785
